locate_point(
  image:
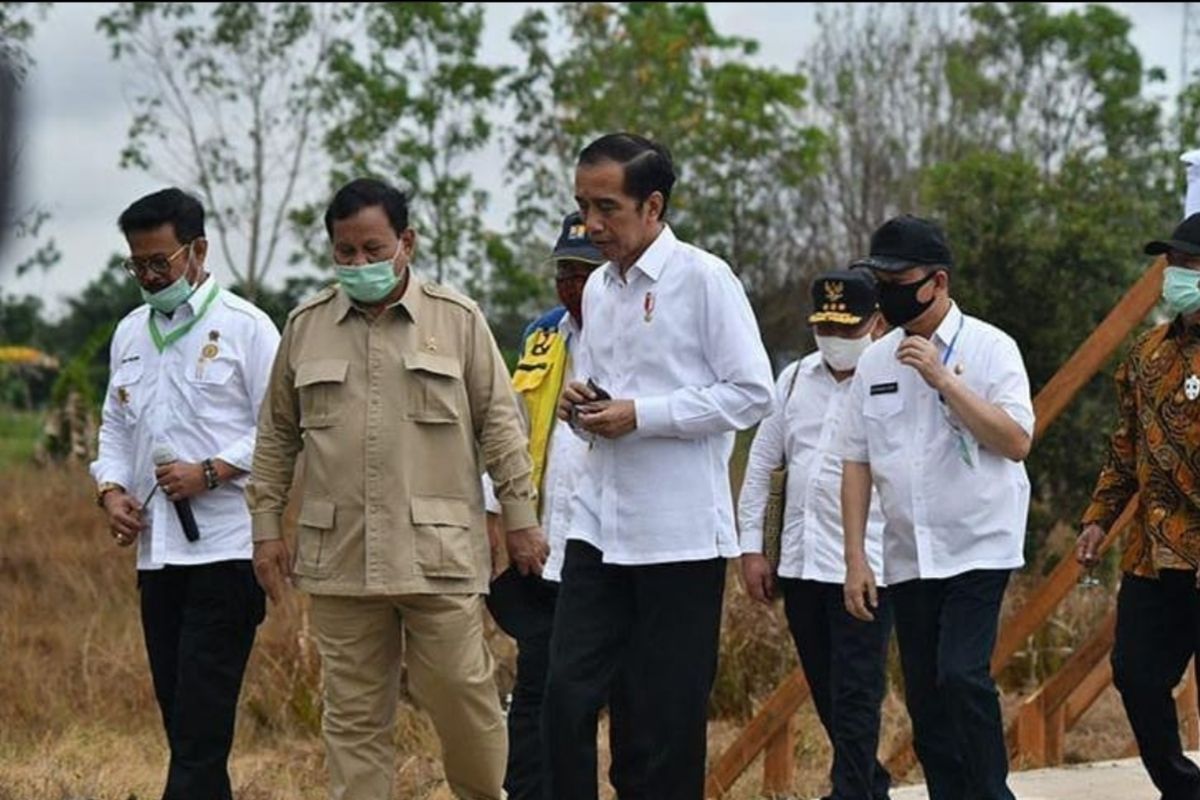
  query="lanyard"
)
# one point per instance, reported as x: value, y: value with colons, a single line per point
x: 953, y: 341
x: 162, y: 342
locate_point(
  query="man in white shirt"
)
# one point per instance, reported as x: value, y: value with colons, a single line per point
x: 939, y: 419
x: 523, y: 605
x: 189, y: 370
x: 844, y: 658
x: 670, y: 364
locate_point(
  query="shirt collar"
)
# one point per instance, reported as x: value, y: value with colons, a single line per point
x: 408, y: 302
x: 950, y: 325
x: 569, y: 325
x: 653, y: 260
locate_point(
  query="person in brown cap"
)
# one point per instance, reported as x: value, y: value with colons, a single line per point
x: 1155, y: 456
x: 844, y: 658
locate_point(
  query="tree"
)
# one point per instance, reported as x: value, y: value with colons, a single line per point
x: 228, y: 102
x: 664, y: 71
x: 414, y: 103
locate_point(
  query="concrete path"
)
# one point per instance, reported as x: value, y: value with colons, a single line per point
x: 1100, y: 780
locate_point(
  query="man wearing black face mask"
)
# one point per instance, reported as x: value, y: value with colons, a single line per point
x: 939, y: 419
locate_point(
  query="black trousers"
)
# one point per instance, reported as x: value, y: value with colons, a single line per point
x: 523, y: 607
x: 199, y: 624
x: 947, y: 631
x: 1158, y: 631
x: 845, y: 662
x: 658, y: 623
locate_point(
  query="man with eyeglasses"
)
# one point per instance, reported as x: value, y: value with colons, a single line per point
x: 1153, y: 456
x: 189, y: 370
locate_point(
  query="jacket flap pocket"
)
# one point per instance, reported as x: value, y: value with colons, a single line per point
x: 441, y: 511
x: 430, y: 362
x: 326, y: 370
x: 317, y: 513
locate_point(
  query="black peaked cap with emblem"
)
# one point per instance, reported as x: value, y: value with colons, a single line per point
x: 844, y: 297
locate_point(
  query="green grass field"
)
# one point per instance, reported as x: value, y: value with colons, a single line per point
x: 19, y: 431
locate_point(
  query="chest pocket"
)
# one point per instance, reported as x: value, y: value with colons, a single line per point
x: 882, y: 406
x: 129, y: 388
x: 319, y: 384
x: 437, y: 388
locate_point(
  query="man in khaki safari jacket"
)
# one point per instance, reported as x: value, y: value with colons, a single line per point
x: 391, y: 387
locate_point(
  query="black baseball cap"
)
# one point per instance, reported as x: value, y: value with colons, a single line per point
x: 1185, y: 238
x: 904, y: 242
x: 844, y: 297
x: 573, y: 243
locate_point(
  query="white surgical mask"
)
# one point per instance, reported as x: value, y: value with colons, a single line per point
x: 842, y: 354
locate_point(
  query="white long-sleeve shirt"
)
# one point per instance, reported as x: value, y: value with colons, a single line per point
x: 678, y: 337
x: 950, y: 504
x: 804, y: 428
x: 200, y: 396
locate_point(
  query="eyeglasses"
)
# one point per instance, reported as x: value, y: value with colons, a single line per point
x: 157, y: 263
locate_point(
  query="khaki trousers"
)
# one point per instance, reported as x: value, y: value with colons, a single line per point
x: 450, y: 677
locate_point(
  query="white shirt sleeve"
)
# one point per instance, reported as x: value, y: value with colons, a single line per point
x: 767, y: 452
x: 741, y: 396
x: 852, y: 443
x: 260, y: 355
x: 114, y: 459
x: 1009, y: 388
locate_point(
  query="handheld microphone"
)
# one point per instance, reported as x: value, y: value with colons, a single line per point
x: 163, y: 455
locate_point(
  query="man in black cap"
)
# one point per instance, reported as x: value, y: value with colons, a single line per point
x: 939, y: 420
x: 523, y: 605
x: 844, y: 657
x: 1154, y: 455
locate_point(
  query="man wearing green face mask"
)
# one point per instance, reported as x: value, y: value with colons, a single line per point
x: 1155, y: 454
x: 396, y: 391
x: 189, y: 371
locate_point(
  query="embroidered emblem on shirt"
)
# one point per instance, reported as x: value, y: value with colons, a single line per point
x: 1191, y: 387
x: 123, y: 396
x: 958, y: 368
x: 431, y: 344
x: 648, y: 306
x: 214, y: 336
x: 209, y: 351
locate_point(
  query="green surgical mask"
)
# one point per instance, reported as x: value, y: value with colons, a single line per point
x: 1181, y: 290
x: 168, y: 299
x: 370, y: 283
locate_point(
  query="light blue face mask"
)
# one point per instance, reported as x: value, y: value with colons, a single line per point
x: 172, y: 297
x: 370, y: 283
x: 1181, y: 290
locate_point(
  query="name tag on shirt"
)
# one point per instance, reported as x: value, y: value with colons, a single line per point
x: 884, y: 388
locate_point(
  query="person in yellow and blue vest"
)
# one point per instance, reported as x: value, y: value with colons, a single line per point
x: 523, y: 605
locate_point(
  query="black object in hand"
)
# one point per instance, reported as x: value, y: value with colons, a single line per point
x: 596, y: 390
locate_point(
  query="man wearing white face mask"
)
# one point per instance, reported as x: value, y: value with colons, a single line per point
x: 844, y: 658
x: 189, y: 371
x: 395, y: 390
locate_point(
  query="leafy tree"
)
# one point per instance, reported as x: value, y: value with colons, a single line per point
x: 229, y: 102
x: 411, y: 104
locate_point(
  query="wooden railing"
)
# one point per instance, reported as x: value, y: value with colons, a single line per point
x: 772, y: 732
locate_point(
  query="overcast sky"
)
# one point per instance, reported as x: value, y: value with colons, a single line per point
x: 76, y: 117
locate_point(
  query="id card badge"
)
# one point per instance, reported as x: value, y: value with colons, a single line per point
x: 965, y: 444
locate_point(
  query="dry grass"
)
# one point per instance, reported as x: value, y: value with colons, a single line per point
x: 78, y: 717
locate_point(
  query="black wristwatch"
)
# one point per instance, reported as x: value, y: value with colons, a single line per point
x: 210, y: 474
